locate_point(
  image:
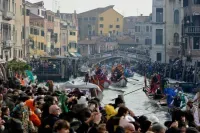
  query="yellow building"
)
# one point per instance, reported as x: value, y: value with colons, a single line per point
x: 100, y: 21
x: 37, y: 36
x: 72, y: 40
x: 110, y: 22
x: 57, y: 34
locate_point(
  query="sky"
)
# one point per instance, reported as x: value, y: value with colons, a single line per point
x: 125, y: 7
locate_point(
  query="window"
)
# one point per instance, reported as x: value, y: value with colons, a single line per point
x: 72, y: 33
x: 49, y: 18
x: 35, y: 32
x: 38, y: 45
x: 27, y: 12
x: 137, y: 28
x: 196, y: 1
x: 159, y: 57
x: 110, y: 32
x: 94, y: 18
x: 32, y: 46
x: 42, y: 46
x: 101, y: 25
x: 147, y: 28
x: 32, y: 31
x: 176, y: 17
x: 101, y: 19
x: 42, y: 33
x: 117, y: 26
x: 86, y: 19
x: 23, y: 35
x: 176, y: 39
x: 43, y: 13
x: 147, y: 41
x: 150, y: 28
x: 101, y: 32
x: 159, y: 36
x: 13, y: 5
x: 185, y: 3
x: 52, y: 19
x: 38, y: 11
x: 196, y: 43
x: 117, y: 19
x: 137, y: 40
x: 159, y: 15
x: 111, y: 26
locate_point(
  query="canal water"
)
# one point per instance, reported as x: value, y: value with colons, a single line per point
x: 137, y: 101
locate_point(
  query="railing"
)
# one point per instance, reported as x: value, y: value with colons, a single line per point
x: 192, y: 30
x: 118, y: 53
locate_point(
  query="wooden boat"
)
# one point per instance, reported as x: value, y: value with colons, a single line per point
x: 102, y: 83
x: 93, y: 89
x: 122, y: 82
x: 160, y: 103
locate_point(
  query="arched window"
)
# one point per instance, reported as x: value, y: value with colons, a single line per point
x: 137, y: 40
x: 176, y: 17
x: 176, y: 39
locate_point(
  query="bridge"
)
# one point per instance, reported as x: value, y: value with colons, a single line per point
x: 101, y: 57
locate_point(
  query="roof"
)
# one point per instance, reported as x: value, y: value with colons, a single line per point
x: 87, y: 42
x: 33, y: 16
x: 126, y: 41
x: 40, y: 3
x: 95, y: 11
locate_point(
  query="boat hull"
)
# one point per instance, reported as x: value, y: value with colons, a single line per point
x: 121, y: 83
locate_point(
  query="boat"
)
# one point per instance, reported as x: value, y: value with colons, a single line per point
x: 159, y: 102
x: 117, y: 76
x: 122, y: 82
x: 101, y: 81
x: 93, y: 89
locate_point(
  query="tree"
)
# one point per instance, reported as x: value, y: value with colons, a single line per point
x: 18, y: 66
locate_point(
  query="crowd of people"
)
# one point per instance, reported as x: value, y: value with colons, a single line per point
x: 38, y: 109
x: 174, y: 70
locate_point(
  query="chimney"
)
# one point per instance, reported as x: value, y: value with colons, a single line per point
x: 75, y: 12
x: 141, y: 14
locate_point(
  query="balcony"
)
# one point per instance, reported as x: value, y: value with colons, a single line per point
x: 192, y: 30
x: 7, y: 44
x: 7, y: 15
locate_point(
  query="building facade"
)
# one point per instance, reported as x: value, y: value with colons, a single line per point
x: 158, y: 51
x: 69, y: 33
x: 191, y: 29
x: 14, y: 29
x: 100, y: 21
x: 37, y: 36
x: 173, y: 27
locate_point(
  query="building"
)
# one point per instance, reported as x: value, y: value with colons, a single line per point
x: 88, y: 47
x: 69, y: 34
x: 37, y: 36
x: 14, y: 29
x: 57, y: 34
x: 37, y: 8
x: 139, y: 28
x: 158, y: 51
x: 100, y: 21
x: 173, y: 29
x: 191, y: 32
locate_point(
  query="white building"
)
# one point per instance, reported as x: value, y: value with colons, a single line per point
x: 174, y: 16
x: 158, y: 50
x: 37, y: 8
x: 167, y: 19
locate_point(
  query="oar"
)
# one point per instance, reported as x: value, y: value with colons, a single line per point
x: 134, y: 79
x: 128, y: 93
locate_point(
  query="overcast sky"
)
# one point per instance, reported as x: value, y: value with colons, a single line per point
x: 125, y: 7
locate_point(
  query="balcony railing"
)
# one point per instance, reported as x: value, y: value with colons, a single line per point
x: 192, y: 30
x: 7, y: 15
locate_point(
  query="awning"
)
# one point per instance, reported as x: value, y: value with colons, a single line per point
x: 73, y: 54
x: 78, y: 55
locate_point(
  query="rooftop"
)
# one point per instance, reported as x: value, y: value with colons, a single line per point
x: 95, y: 11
